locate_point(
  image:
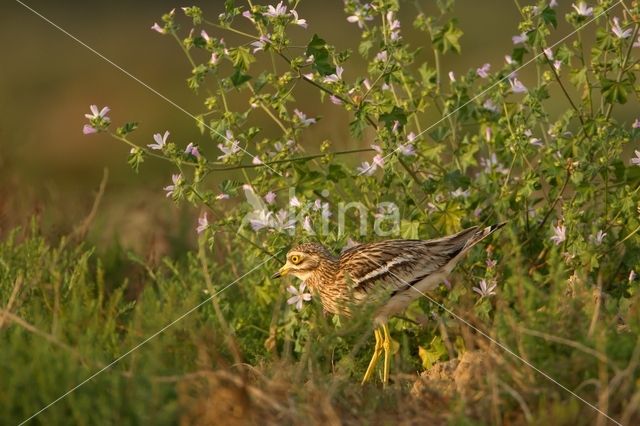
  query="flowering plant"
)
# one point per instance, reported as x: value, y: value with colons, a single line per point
x: 545, y: 150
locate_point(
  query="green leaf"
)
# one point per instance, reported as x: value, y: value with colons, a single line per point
x: 448, y: 38
x: 549, y: 17
x: 238, y: 78
x: 126, y: 128
x: 433, y: 353
x: 396, y: 114
x: 616, y: 92
x: 409, y: 229
x: 321, y: 60
x: 242, y: 58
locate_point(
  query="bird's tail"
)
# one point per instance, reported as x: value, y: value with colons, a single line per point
x: 481, y: 234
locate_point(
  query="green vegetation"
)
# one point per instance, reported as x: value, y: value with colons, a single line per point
x: 207, y: 337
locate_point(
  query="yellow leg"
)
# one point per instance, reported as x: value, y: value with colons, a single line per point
x: 386, y: 345
x: 376, y: 355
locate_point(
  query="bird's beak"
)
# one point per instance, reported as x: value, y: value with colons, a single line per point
x: 281, y: 273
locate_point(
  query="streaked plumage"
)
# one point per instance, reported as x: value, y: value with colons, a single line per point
x: 393, y: 273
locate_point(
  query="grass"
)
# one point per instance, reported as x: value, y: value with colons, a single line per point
x: 66, y: 316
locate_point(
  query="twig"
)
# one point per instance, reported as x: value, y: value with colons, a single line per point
x: 14, y: 293
x: 81, y: 231
x: 577, y: 345
x: 33, y: 329
x: 229, y: 336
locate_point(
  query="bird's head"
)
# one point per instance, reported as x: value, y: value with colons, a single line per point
x: 304, y: 260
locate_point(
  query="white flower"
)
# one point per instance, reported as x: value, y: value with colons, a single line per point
x: 274, y: 12
x: 222, y: 196
x: 618, y: 31
x: 548, y: 53
x: 632, y: 275
x: 203, y: 223
x: 519, y: 39
x: 335, y: 77
x: 161, y: 141
x: 599, y: 237
x: 582, y: 9
x: 491, y: 106
x: 408, y: 150
x: 359, y: 17
x: 300, y: 22
x: 460, y: 193
x: 177, y: 181
x: 299, y: 296
x: 306, y: 122
x: 214, y: 59
x: 484, y: 289
x: 381, y: 56
x: 260, y: 219
x: 636, y: 160
x: 492, y: 163
x: 509, y: 60
x: 96, y: 113
x: 488, y: 134
x: 560, y: 234
x: 452, y: 76
x: 636, y: 123
x: 230, y: 147
x: 536, y: 142
x: 306, y: 225
x: 260, y: 44
x: 282, y: 221
x: 294, y: 202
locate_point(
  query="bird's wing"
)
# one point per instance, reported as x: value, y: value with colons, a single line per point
x: 395, y: 265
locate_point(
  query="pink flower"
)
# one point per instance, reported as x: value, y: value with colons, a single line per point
x: 483, y: 71
x: 306, y: 122
x: 192, y: 150
x: 335, y: 100
x: 294, y: 202
x: 270, y: 197
x: 559, y: 234
x: 300, y: 22
x: 158, y: 28
x: 582, y: 9
x: 636, y: 124
x: 519, y: 39
x: 88, y: 130
x: 618, y: 31
x: 484, y: 289
x: 177, y: 181
x: 203, y: 223
x: 274, y: 12
x: 161, y: 141
x: 517, y: 86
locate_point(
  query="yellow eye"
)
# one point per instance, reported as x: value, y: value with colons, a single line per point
x: 295, y: 259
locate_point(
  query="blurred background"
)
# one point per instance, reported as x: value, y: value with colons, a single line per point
x: 50, y: 170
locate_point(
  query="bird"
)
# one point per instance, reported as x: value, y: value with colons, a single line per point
x: 392, y: 273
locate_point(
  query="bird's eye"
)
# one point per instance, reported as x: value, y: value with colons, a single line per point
x: 295, y: 259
